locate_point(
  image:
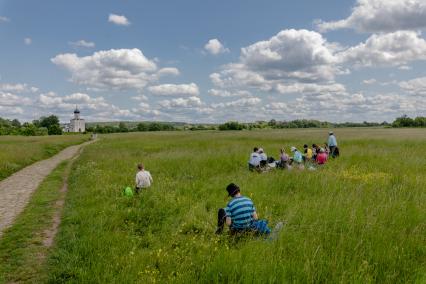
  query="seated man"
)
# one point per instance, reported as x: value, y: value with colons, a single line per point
x: 240, y: 214
x: 263, y: 158
x: 254, y: 162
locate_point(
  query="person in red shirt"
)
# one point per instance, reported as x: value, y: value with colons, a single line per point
x: 322, y: 157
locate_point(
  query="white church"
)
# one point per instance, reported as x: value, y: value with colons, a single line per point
x: 76, y: 124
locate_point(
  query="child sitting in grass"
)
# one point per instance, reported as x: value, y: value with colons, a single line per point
x: 143, y: 178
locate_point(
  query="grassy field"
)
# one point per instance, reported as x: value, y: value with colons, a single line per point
x: 360, y: 219
x: 18, y: 152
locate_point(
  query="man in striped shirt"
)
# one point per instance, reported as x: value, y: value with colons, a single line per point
x: 240, y: 214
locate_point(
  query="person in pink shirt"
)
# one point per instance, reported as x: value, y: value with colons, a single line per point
x: 322, y: 157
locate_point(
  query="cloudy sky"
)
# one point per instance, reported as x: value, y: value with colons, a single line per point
x: 213, y: 60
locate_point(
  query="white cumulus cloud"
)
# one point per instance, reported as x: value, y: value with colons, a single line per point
x: 120, y: 20
x: 168, y: 71
x: 215, y: 47
x: 175, y: 89
x: 226, y: 93
x: 392, y: 49
x: 11, y: 111
x: 415, y: 86
x: 381, y: 16
x: 92, y: 108
x: 292, y: 60
x: 140, y: 98
x: 9, y: 99
x: 369, y: 81
x: 17, y: 88
x: 240, y: 103
x: 82, y: 43
x: 117, y: 69
x: 181, y: 103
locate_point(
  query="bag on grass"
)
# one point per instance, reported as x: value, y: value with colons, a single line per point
x: 128, y: 191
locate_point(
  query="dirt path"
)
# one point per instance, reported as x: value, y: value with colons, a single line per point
x: 16, y: 190
x: 50, y: 233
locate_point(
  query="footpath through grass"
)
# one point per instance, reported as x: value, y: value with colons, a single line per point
x: 359, y: 219
x: 22, y: 252
x: 17, y: 152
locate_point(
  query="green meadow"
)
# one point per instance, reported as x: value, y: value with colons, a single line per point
x: 17, y: 152
x: 359, y: 219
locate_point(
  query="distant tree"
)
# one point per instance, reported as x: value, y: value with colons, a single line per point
x: 28, y: 129
x: 42, y: 131
x: 420, y: 121
x: 272, y: 123
x: 54, y: 129
x: 142, y: 127
x: 36, y: 122
x: 90, y: 129
x: 154, y: 126
x: 403, y: 121
x: 231, y: 125
x: 122, y: 127
x: 16, y: 123
x: 49, y: 121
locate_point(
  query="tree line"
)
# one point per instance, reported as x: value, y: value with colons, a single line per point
x: 140, y: 127
x: 44, y: 126
x: 405, y: 121
x: 49, y: 125
x: 298, y: 123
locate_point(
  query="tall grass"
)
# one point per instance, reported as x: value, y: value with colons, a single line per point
x: 359, y: 219
x: 17, y: 152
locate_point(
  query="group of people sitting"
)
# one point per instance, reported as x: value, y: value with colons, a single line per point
x: 316, y: 155
x: 240, y: 213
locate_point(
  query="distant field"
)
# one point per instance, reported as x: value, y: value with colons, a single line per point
x: 359, y: 219
x: 17, y: 152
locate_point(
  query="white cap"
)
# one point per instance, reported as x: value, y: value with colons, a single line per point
x: 260, y: 150
x: 330, y: 132
x: 293, y: 149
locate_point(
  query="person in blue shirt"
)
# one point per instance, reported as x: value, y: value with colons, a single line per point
x: 240, y: 214
x: 332, y: 145
x: 297, y: 156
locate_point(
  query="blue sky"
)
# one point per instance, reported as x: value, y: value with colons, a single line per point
x: 213, y: 61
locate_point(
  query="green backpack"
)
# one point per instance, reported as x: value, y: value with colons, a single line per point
x: 128, y: 192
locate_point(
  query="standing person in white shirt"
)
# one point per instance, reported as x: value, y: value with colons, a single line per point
x: 143, y: 178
